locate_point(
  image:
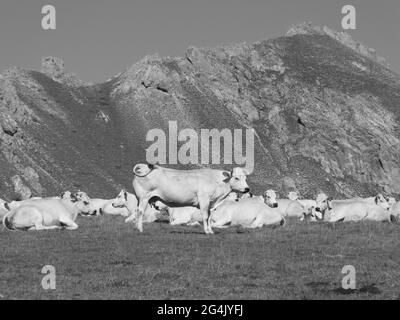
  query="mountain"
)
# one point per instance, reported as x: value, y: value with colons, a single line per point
x: 324, y: 108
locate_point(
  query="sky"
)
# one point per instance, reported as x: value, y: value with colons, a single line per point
x: 100, y: 38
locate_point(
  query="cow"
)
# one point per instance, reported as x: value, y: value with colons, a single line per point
x: 192, y: 215
x: 395, y: 209
x: 354, y: 209
x: 48, y: 213
x: 202, y: 188
x: 17, y: 203
x: 308, y: 206
x: 128, y: 201
x: 104, y: 206
x: 287, y: 207
x: 248, y: 213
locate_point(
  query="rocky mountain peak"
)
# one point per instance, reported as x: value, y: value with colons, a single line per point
x: 343, y: 37
x: 324, y: 113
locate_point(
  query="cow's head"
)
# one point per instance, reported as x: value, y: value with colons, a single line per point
x: 121, y: 200
x: 322, y: 203
x: 311, y: 214
x: 237, y: 179
x: 293, y: 195
x: 65, y: 195
x: 270, y: 198
x: 82, y: 202
x: 382, y: 201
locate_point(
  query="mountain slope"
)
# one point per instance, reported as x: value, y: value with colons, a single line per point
x: 324, y: 108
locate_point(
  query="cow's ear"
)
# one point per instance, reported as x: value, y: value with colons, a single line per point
x: 227, y: 176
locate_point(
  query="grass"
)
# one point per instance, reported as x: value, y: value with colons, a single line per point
x: 108, y: 259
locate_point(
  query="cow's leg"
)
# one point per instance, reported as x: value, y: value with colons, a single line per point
x: 41, y: 227
x: 337, y: 217
x: 132, y: 217
x: 193, y: 223
x: 143, y: 203
x: 206, y: 216
x: 179, y: 221
x: 68, y: 224
x: 258, y: 222
x: 222, y: 222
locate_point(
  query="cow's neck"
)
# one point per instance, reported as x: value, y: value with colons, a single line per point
x: 223, y: 191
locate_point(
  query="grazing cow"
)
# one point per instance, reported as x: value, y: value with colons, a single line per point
x: 354, y: 209
x: 201, y: 188
x: 128, y: 201
x: 248, y: 213
x: 48, y: 213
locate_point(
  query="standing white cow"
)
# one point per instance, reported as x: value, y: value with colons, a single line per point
x: 354, y: 209
x: 48, y: 213
x: 128, y: 201
x: 202, y: 188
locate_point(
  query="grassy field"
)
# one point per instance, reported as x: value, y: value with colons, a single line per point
x: 108, y: 259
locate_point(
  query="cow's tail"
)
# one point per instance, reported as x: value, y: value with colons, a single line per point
x: 7, y: 222
x: 142, y: 170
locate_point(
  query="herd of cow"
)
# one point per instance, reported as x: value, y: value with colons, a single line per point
x: 216, y: 198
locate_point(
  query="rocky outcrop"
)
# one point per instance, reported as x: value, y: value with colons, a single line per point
x: 324, y: 110
x: 55, y: 69
x: 22, y: 192
x: 342, y: 37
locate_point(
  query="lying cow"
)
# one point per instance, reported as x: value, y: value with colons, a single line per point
x: 48, y: 213
x: 128, y: 201
x: 192, y: 215
x: 308, y: 206
x: 201, y: 188
x: 354, y: 209
x: 248, y: 213
x: 17, y: 203
x: 101, y: 206
x: 395, y: 209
